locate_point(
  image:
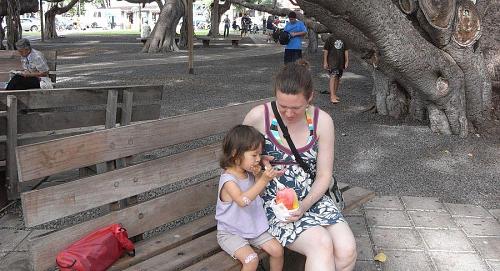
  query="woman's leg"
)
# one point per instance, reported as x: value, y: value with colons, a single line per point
x: 248, y: 258
x: 344, y: 246
x: 18, y: 82
x: 317, y: 245
x: 275, y: 251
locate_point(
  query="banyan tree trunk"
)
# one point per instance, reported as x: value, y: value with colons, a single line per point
x: 162, y: 38
x: 216, y: 11
x: 50, y: 18
x: 214, y: 19
x: 2, y: 34
x: 427, y: 60
x: 14, y: 31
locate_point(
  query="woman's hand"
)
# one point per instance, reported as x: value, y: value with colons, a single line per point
x: 297, y: 214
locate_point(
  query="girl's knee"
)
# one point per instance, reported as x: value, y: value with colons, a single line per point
x: 251, y: 262
x: 276, y: 251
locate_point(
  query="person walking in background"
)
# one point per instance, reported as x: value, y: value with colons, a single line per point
x: 335, y: 61
x: 297, y: 29
x: 35, y: 73
x: 227, y: 24
x: 240, y: 215
x: 270, y: 28
x: 145, y: 32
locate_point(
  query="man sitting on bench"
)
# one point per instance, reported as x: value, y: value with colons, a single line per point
x: 35, y: 73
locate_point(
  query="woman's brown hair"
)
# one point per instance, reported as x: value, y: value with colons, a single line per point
x: 237, y: 141
x: 294, y: 78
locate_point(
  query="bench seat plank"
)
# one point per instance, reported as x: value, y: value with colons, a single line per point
x: 44, y: 205
x: 181, y: 256
x: 355, y: 197
x: 136, y: 219
x: 220, y: 262
x: 165, y: 241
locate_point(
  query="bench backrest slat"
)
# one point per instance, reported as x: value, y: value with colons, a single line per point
x: 47, y: 204
x: 70, y: 97
x: 48, y: 158
x: 136, y: 219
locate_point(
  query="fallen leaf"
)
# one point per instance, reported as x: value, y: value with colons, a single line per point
x: 380, y: 257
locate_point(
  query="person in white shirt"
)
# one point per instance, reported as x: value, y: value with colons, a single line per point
x: 35, y: 73
x: 146, y: 31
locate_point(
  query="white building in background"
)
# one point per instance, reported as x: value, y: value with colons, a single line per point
x: 124, y: 15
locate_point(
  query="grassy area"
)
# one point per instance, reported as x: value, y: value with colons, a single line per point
x: 99, y: 32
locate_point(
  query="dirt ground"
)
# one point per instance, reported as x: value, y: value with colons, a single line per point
x: 389, y: 156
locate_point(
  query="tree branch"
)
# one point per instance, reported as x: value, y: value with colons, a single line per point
x: 318, y: 28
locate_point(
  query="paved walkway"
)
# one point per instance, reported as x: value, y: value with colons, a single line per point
x: 415, y: 233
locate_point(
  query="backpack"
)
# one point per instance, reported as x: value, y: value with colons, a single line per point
x: 284, y: 37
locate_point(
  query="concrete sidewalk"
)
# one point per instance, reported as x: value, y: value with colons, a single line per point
x: 421, y: 234
x: 415, y: 233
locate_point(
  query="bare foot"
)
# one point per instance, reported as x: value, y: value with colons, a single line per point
x: 334, y: 101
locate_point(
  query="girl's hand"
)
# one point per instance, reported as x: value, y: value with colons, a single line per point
x: 296, y: 215
x: 270, y: 173
x: 325, y: 66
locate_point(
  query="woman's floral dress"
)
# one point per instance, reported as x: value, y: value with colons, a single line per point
x: 323, y: 212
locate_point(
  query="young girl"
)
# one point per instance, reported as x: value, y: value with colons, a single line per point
x: 240, y: 215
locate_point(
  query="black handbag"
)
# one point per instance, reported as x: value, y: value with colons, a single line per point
x: 333, y: 191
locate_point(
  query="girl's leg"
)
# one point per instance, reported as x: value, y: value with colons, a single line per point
x: 248, y: 258
x: 317, y: 245
x: 275, y: 251
x: 344, y: 246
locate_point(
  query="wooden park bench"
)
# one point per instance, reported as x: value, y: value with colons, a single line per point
x: 30, y: 116
x: 10, y: 60
x: 206, y: 40
x: 161, y: 186
x: 146, y: 39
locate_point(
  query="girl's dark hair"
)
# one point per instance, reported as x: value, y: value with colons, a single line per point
x: 294, y: 78
x: 238, y: 140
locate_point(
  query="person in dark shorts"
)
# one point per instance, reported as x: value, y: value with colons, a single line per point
x: 335, y: 61
x: 297, y: 29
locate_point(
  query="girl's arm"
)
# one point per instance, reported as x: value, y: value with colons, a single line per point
x: 243, y: 199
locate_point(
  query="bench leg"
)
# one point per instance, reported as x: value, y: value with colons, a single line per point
x: 206, y: 43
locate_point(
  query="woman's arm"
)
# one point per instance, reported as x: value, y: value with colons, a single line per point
x: 324, y: 167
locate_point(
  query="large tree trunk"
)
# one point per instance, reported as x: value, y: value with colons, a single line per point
x: 14, y: 30
x: 50, y: 18
x: 216, y: 11
x: 426, y: 60
x: 440, y: 70
x: 11, y: 10
x: 214, y: 19
x: 162, y: 38
x: 2, y: 34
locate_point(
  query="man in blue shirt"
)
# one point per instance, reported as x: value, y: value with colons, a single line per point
x: 297, y: 29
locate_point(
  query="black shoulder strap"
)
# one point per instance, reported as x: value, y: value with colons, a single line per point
x: 286, y: 135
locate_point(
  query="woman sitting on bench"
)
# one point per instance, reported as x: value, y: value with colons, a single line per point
x: 316, y: 228
x: 35, y: 73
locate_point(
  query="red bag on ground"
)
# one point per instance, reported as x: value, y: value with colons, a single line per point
x: 96, y: 251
